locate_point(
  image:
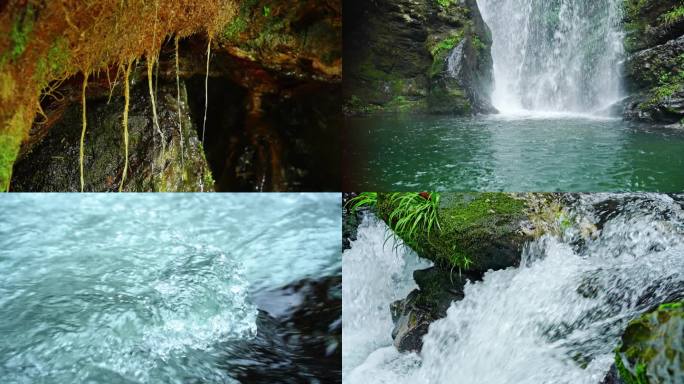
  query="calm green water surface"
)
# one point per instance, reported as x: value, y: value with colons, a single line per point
x: 497, y: 153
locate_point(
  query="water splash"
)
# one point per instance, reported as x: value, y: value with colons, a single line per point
x: 148, y: 288
x: 557, y: 318
x: 376, y: 272
x: 555, y: 56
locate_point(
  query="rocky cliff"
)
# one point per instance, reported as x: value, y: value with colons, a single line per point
x: 416, y: 56
x: 654, y: 68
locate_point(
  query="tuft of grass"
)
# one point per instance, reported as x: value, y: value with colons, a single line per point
x: 364, y: 199
x: 414, y: 215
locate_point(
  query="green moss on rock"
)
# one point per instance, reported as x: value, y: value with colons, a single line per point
x: 479, y: 231
x: 652, y: 349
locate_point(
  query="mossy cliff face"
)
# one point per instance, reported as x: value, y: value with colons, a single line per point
x: 268, y: 45
x: 416, y: 56
x: 654, y: 68
x: 652, y: 348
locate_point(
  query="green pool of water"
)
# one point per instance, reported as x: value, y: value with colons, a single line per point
x: 499, y: 153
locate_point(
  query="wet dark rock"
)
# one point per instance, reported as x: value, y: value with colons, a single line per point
x: 350, y: 221
x: 412, y: 316
x: 52, y: 164
x: 612, y: 377
x: 299, y: 336
x: 418, y: 79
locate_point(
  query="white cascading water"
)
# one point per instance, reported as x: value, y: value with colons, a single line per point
x: 559, y: 56
x: 555, y: 319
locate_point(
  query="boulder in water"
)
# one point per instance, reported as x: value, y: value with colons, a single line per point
x: 412, y: 316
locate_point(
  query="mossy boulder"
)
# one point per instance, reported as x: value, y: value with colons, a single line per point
x: 479, y: 231
x: 652, y: 347
x: 654, y: 69
x: 397, y: 55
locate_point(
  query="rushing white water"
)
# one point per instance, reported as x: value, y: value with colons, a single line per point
x: 148, y: 288
x: 555, y: 56
x: 376, y: 272
x: 556, y: 319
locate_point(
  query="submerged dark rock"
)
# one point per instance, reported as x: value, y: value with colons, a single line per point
x: 299, y: 336
x: 416, y: 56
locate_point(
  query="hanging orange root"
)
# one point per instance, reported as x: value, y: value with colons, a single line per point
x: 127, y: 97
x: 83, y: 130
x: 180, y: 121
x: 150, y: 64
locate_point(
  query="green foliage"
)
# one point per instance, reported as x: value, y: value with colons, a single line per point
x: 9, y: 146
x: 19, y: 34
x: 444, y: 3
x: 478, y: 44
x: 413, y: 214
x: 670, y: 306
x: 446, y: 45
x: 55, y: 63
x: 363, y: 199
x: 673, y: 16
x: 235, y: 28
x: 267, y: 11
x: 668, y: 84
x: 627, y: 376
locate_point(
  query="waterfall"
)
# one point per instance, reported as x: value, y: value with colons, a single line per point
x: 555, y: 55
x: 555, y: 319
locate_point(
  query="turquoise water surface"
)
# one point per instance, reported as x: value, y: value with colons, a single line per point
x: 511, y: 153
